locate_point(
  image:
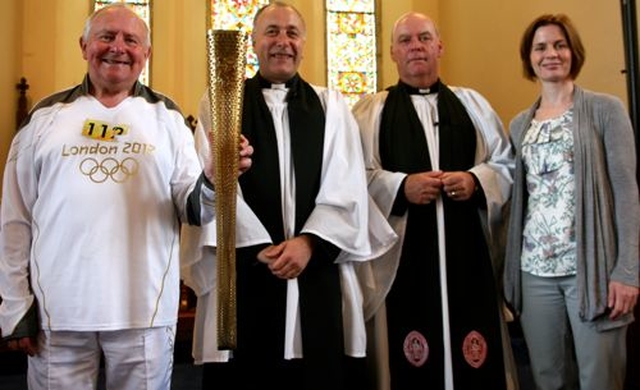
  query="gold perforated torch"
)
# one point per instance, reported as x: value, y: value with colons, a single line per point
x: 227, y: 59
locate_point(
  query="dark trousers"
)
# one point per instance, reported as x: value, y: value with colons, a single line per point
x: 632, y: 381
x: 282, y: 375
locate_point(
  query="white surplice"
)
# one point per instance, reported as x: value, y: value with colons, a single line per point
x: 341, y: 216
x: 493, y: 168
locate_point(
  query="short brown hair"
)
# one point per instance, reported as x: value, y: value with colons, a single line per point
x: 571, y: 34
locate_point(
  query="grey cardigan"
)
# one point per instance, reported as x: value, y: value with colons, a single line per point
x: 607, y: 205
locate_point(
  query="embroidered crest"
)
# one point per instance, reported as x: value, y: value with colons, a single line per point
x: 474, y: 349
x: 416, y: 349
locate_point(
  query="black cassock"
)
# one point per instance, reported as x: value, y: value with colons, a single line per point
x: 414, y: 306
x: 261, y: 297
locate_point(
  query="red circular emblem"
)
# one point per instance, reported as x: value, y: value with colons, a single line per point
x: 416, y: 349
x: 474, y: 349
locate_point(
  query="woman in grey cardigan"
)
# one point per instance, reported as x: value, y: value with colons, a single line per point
x: 572, y: 255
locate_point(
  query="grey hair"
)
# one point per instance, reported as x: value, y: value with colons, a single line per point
x: 280, y: 4
x: 89, y: 22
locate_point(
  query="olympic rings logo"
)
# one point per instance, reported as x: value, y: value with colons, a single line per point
x: 100, y: 171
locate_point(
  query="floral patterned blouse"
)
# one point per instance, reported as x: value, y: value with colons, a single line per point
x: 549, y: 241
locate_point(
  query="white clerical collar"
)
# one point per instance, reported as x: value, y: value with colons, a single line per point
x: 279, y: 86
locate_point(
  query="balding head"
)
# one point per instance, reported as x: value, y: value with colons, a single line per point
x: 416, y: 49
x: 412, y: 15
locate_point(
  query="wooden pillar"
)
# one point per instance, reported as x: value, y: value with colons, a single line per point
x: 23, y: 109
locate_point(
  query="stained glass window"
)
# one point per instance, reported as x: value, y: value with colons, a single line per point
x: 237, y: 15
x: 351, y: 47
x: 143, y: 9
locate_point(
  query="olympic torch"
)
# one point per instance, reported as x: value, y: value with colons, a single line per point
x: 227, y: 59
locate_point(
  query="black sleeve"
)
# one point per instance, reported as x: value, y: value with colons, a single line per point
x: 193, y: 206
x: 323, y: 249
x: 28, y: 325
x: 401, y: 203
x: 478, y: 193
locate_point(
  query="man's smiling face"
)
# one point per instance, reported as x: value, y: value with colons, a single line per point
x: 278, y: 40
x: 116, y: 49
